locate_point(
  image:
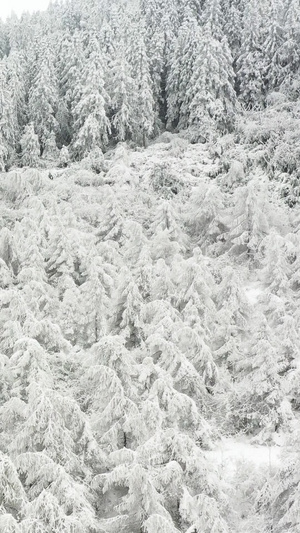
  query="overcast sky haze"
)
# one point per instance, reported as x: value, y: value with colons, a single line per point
x: 19, y: 6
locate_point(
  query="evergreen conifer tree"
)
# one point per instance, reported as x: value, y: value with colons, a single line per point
x: 8, y: 119
x: 43, y: 96
x: 289, y: 51
x: 30, y: 147
x: 143, y: 94
x: 122, y: 97
x: 182, y: 61
x: 250, y: 223
x: 272, y: 45
x: 210, y: 98
x: 50, y: 151
x: 91, y: 122
x: 251, y: 65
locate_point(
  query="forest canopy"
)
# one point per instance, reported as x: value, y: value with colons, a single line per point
x: 149, y: 267
x: 86, y: 74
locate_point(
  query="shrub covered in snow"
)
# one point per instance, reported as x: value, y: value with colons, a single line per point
x: 165, y: 181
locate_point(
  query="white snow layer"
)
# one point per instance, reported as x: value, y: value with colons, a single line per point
x: 253, y: 292
x: 231, y: 451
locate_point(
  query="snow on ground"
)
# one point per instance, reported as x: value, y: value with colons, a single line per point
x: 253, y: 291
x: 229, y: 452
x: 243, y: 467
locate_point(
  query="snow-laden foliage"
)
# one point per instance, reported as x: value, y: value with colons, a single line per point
x: 85, y: 75
x: 144, y: 317
x: 149, y: 279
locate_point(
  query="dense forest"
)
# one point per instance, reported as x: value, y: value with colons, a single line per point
x: 149, y: 290
x: 87, y: 74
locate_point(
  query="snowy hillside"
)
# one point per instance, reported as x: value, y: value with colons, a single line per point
x: 149, y: 267
x: 149, y: 347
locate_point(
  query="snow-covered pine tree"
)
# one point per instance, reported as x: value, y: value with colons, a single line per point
x: 30, y: 147
x: 17, y: 84
x: 232, y: 302
x: 144, y: 112
x: 162, y: 22
x: 3, y: 154
x: 109, y: 407
x: 204, y: 215
x: 166, y: 218
x: 142, y: 507
x: 8, y: 119
x: 122, y: 96
x: 70, y: 66
x: 43, y: 95
x: 135, y: 242
x: 271, y: 46
x: 194, y: 6
x: 201, y: 513
x: 107, y: 40
x: 110, y: 226
x: 44, y: 480
x: 276, y: 269
x: 30, y: 365
x: 95, y: 300
x: 64, y: 157
x: 60, y: 257
x: 55, y: 425
x: 183, y: 55
x: 4, y: 44
x: 110, y: 391
x: 213, y: 17
x: 251, y: 64
x: 91, y: 126
x: 8, y: 250
x: 232, y: 25
x: 126, y: 309
x: 5, y: 275
x: 51, y: 152
x: 289, y: 51
x: 13, y: 497
x: 283, y: 503
x: 249, y: 224
x: 210, y: 99
x: 194, y: 284
x: 261, y: 399
x: 69, y: 318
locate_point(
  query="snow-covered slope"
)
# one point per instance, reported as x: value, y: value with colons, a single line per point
x: 149, y: 344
